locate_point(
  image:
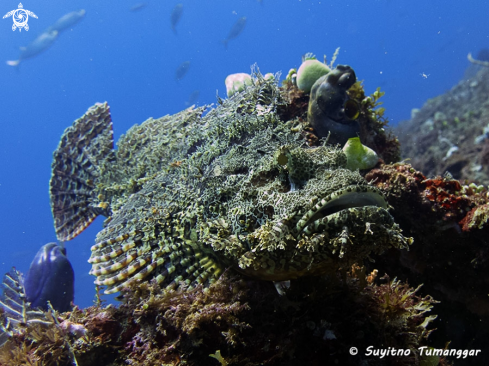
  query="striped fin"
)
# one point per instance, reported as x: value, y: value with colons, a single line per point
x: 145, y: 239
x: 15, y: 306
x: 76, y: 171
x: 168, y: 260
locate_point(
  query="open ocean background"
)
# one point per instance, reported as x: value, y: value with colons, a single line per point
x: 129, y: 59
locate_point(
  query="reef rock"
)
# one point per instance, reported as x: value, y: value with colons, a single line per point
x: 451, y: 131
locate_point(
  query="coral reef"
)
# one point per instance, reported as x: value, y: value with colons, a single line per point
x: 238, y: 322
x: 190, y: 263
x: 449, y: 133
x: 236, y: 83
x: 310, y: 71
x: 450, y: 254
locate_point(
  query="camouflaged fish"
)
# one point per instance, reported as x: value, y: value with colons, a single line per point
x: 189, y: 195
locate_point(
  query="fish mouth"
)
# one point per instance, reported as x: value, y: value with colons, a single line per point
x: 343, y: 199
x: 325, y: 222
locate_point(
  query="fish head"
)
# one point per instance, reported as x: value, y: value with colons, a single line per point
x: 278, y: 212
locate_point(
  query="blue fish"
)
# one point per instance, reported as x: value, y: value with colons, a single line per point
x: 235, y: 31
x: 176, y: 14
x: 182, y: 70
x: 193, y: 98
x: 50, y: 278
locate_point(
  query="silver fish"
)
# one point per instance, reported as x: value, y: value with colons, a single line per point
x: 176, y: 14
x: 67, y: 21
x: 235, y: 30
x: 40, y: 44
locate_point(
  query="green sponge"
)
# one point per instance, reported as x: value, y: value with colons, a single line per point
x: 309, y: 72
x: 358, y: 155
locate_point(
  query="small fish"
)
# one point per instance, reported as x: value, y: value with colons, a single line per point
x: 67, y: 21
x: 50, y: 278
x: 176, y: 14
x: 182, y: 70
x: 137, y: 7
x: 235, y: 30
x: 39, y: 45
x: 193, y: 98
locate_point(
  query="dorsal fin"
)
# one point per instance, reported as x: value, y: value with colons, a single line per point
x: 76, y: 169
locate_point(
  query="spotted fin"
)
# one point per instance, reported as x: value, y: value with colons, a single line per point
x: 17, y: 310
x: 85, y: 149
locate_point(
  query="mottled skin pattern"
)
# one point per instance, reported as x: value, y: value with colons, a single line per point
x: 189, y: 196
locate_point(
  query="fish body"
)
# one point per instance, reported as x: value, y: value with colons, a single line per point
x: 182, y: 70
x: 50, y: 278
x: 189, y: 195
x: 39, y: 45
x: 235, y: 30
x: 67, y: 21
x: 176, y: 14
x: 193, y: 98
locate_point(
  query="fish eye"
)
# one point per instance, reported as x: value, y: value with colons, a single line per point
x: 351, y: 109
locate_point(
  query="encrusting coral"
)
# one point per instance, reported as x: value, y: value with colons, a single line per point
x: 449, y: 223
x: 450, y: 131
x: 245, y: 322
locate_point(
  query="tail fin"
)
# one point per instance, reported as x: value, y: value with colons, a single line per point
x: 76, y: 172
x: 13, y: 63
x: 225, y: 43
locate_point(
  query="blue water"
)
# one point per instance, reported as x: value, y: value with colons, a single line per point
x: 129, y: 59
